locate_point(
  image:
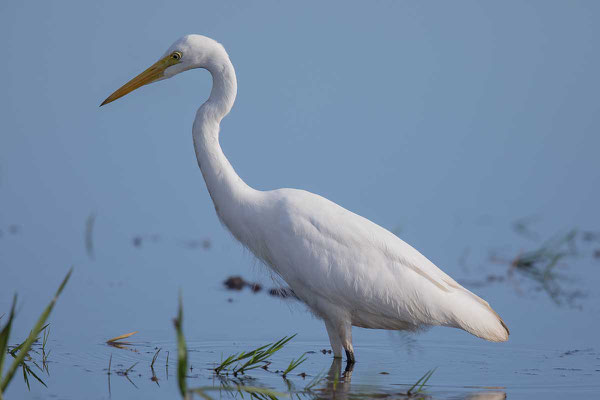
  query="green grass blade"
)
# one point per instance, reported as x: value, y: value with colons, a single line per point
x: 25, y: 378
x: 294, y: 364
x: 130, y: 368
x: 254, y: 358
x: 30, y: 372
x: 4, y: 334
x: 181, y: 350
x: 228, y: 361
x: 415, y: 384
x: 425, y: 381
x: 422, y: 381
x: 32, y: 336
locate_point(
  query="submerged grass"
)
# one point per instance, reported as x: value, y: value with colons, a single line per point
x: 20, y: 352
x: 540, y: 266
x: 541, y: 261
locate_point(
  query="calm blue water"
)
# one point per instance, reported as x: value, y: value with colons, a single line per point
x: 552, y: 351
x: 470, y: 129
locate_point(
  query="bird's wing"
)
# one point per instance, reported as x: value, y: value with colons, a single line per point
x: 331, y: 229
x: 320, y: 247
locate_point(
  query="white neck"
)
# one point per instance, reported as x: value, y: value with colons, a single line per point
x: 229, y: 192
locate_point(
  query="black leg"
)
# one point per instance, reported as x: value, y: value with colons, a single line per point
x: 350, y: 357
x: 348, y: 370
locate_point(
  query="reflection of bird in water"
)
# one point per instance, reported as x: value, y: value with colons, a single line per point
x: 348, y: 270
x: 338, y: 383
x: 338, y: 386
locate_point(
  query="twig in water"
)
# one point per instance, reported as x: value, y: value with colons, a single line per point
x: 129, y: 369
x: 155, y: 357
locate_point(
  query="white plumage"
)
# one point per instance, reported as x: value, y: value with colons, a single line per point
x: 348, y: 270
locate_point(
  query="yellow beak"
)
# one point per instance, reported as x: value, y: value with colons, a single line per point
x: 150, y: 75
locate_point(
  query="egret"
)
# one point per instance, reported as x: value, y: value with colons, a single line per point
x: 348, y: 270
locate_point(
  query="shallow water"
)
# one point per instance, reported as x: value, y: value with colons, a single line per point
x: 464, y: 371
x: 552, y: 351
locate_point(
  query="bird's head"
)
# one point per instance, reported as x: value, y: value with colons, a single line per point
x: 191, y: 51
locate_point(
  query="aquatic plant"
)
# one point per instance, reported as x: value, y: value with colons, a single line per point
x: 538, y: 262
x: 155, y: 357
x: 294, y: 364
x: 540, y: 265
x: 20, y: 352
x: 420, y: 383
x: 255, y: 358
x: 182, y: 366
x: 182, y: 353
x: 154, y: 377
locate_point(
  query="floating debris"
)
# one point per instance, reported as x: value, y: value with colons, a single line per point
x: 235, y: 283
x: 238, y: 283
x: 256, y: 287
x: 121, y: 337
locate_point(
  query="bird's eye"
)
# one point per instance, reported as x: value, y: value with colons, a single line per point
x: 176, y: 56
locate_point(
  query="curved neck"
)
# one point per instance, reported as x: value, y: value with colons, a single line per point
x: 227, y: 190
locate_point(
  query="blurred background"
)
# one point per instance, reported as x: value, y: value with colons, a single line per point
x: 469, y: 128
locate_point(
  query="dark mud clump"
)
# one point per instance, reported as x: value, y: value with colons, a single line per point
x: 239, y: 283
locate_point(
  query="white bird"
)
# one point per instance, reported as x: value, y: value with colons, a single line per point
x: 348, y: 270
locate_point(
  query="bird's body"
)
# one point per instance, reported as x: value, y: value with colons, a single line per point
x: 348, y: 270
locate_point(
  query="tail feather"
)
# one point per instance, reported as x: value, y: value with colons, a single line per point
x: 479, y: 319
